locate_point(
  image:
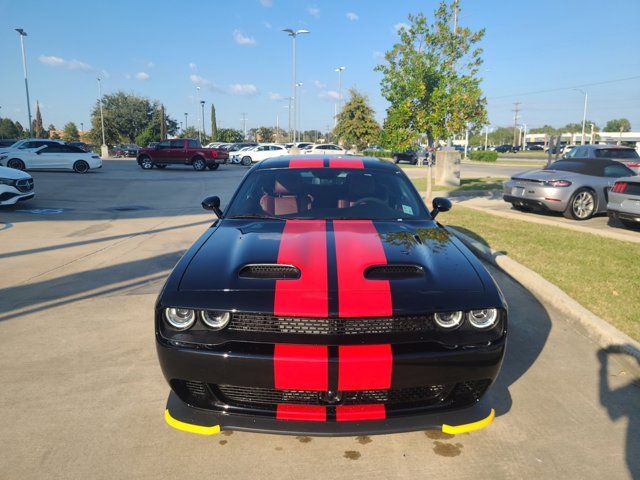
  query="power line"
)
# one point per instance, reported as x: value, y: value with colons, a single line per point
x: 566, y: 88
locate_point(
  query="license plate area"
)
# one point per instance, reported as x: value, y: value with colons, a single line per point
x: 517, y: 191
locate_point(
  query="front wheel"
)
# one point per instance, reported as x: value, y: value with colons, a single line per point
x: 16, y: 164
x: 81, y: 166
x: 246, y: 161
x: 146, y: 163
x: 582, y: 205
x: 198, y: 164
x: 213, y: 166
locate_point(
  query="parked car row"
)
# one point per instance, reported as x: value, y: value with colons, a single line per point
x: 42, y: 154
x: 579, y: 188
x: 247, y: 154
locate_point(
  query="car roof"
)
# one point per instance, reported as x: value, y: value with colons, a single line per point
x: 368, y: 163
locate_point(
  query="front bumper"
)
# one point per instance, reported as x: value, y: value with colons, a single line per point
x: 13, y: 196
x: 183, y: 417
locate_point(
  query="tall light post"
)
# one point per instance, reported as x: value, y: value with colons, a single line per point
x: 104, y: 150
x: 339, y: 102
x: 296, y: 125
x: 198, y: 110
x: 23, y: 34
x: 294, y: 34
x: 202, y: 115
x: 186, y: 116
x: 486, y: 138
x: 288, y: 107
x: 584, y: 112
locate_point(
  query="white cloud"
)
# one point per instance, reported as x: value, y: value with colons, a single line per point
x: 193, y: 67
x: 266, y: 3
x: 241, y: 39
x: 314, y: 11
x: 243, y: 89
x: 276, y: 96
x: 398, y: 26
x: 142, y: 76
x: 329, y: 95
x: 54, y: 61
x: 319, y: 84
x: 200, y: 81
x: 352, y: 16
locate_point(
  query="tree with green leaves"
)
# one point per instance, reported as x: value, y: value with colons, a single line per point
x: 356, y: 123
x: 430, y: 78
x: 8, y: 129
x: 163, y: 124
x: 129, y: 118
x: 264, y: 134
x: 229, y: 135
x: 70, y: 133
x: 618, y: 125
x: 214, y: 124
x: 38, y: 128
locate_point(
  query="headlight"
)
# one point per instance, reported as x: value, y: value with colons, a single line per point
x: 180, y: 318
x: 483, y: 318
x: 448, y: 319
x: 215, y: 320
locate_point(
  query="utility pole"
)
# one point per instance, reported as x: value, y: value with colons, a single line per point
x: 515, y: 121
x: 202, y: 115
x: 591, y: 136
x: 244, y: 124
x: 104, y: 150
x: 296, y: 126
x: 23, y: 34
x: 455, y: 16
x: 198, y: 113
x: 524, y: 136
x: 186, y: 125
x: 339, y: 102
x: 486, y: 137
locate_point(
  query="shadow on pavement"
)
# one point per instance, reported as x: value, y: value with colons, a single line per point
x: 36, y: 297
x: 616, y: 403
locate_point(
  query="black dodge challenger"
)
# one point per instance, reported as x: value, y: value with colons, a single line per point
x: 326, y: 300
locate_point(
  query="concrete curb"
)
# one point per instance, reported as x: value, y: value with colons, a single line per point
x: 597, y: 329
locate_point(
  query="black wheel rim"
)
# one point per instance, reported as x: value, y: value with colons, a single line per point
x: 15, y: 164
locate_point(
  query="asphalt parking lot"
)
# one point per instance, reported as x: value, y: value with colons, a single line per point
x: 83, y: 396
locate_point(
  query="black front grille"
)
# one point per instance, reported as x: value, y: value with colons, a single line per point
x: 24, y: 185
x: 254, y: 322
x: 269, y: 271
x: 240, y: 396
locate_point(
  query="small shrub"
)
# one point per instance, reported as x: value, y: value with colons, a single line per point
x: 377, y: 153
x: 483, y: 156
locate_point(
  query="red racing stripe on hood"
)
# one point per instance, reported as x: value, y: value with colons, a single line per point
x: 301, y: 367
x: 303, y: 244
x: 352, y: 413
x: 358, y: 246
x: 309, y: 413
x: 364, y: 367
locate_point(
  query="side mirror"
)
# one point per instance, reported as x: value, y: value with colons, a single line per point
x: 440, y: 204
x: 213, y: 204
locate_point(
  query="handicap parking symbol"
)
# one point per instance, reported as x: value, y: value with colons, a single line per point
x: 43, y: 211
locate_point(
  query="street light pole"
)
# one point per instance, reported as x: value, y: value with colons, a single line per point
x: 202, y: 115
x: 486, y: 137
x: 186, y: 115
x: 339, y: 102
x: 293, y: 34
x: 104, y: 150
x: 297, y: 110
x: 23, y: 34
x: 584, y: 113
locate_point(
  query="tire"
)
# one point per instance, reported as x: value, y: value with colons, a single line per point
x: 629, y: 224
x: 396, y: 159
x: 246, y: 161
x: 81, y: 166
x: 145, y: 163
x: 16, y: 164
x: 213, y: 166
x: 161, y: 165
x: 199, y: 164
x: 582, y: 205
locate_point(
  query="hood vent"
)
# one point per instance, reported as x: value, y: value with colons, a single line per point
x: 393, y: 272
x: 269, y: 271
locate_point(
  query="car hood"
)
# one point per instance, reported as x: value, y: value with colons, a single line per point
x: 451, y: 275
x: 13, y: 174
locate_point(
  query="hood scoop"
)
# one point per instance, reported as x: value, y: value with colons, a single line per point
x: 270, y: 271
x: 393, y: 272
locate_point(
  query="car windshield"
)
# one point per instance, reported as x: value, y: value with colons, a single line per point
x: 616, y: 153
x: 327, y: 193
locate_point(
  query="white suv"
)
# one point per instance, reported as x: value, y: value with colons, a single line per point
x: 15, y: 186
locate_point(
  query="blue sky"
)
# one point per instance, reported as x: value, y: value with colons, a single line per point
x: 236, y: 52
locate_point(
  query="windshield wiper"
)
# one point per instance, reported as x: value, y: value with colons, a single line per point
x: 256, y: 216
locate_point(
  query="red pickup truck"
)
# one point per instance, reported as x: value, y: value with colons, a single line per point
x: 181, y: 151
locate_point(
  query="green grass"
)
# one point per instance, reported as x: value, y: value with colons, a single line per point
x: 600, y: 274
x: 486, y: 183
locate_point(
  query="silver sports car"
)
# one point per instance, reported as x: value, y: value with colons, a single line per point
x: 624, y: 202
x: 577, y: 187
